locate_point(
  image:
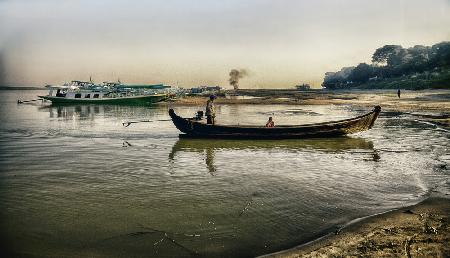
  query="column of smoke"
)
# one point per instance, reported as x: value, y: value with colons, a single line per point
x: 2, y: 70
x: 235, y: 75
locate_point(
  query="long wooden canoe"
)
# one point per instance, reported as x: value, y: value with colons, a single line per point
x: 197, y: 129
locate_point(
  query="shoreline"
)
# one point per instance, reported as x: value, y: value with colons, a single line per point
x: 418, y: 104
x: 429, y: 100
x: 422, y: 229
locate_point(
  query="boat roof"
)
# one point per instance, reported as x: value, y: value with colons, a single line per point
x: 62, y: 86
x: 144, y: 86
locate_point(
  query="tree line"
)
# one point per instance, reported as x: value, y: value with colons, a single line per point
x: 392, y: 61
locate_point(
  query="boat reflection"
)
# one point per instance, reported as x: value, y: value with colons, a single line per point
x: 209, y: 147
x: 82, y: 111
x: 91, y: 111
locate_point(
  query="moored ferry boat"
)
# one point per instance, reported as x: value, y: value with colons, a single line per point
x: 80, y: 92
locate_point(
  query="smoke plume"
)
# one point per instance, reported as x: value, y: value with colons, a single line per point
x: 235, y: 75
x: 2, y: 70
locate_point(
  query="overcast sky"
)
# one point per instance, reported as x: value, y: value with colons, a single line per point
x: 197, y: 42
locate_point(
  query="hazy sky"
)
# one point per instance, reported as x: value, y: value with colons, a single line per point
x: 197, y: 42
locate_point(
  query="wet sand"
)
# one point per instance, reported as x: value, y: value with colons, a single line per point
x: 422, y: 230
x: 421, y: 103
x: 410, y: 100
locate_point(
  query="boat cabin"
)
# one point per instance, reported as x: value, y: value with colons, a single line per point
x: 74, y: 92
x: 85, y: 95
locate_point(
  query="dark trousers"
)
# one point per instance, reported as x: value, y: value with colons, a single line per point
x: 210, y: 120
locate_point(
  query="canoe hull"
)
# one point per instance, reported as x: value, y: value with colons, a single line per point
x: 135, y: 100
x: 195, y: 129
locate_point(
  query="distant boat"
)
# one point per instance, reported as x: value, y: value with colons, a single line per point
x: 80, y: 92
x: 303, y: 87
x: 193, y: 128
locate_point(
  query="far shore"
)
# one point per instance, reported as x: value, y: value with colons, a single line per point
x: 409, y: 101
x: 421, y: 230
x: 419, y: 103
x: 388, y: 99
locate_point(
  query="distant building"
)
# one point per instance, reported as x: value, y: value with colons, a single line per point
x: 304, y: 86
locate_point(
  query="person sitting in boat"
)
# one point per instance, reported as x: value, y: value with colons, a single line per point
x: 270, y: 123
x: 210, y: 112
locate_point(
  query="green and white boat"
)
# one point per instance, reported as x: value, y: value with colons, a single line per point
x: 80, y: 92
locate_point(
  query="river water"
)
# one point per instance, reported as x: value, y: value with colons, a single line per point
x: 74, y: 182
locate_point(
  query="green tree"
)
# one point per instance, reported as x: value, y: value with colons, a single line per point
x: 337, y: 80
x: 361, y: 73
x: 395, y: 61
x: 390, y: 55
x: 417, y: 59
x: 440, y: 54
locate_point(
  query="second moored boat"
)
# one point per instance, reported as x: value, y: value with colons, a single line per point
x: 80, y: 92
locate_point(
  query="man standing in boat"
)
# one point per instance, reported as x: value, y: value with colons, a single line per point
x: 210, y: 112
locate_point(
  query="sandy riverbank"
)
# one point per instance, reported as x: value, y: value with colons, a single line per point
x: 422, y: 102
x: 410, y: 100
x: 422, y: 230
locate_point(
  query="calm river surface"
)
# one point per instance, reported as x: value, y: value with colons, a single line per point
x: 74, y: 182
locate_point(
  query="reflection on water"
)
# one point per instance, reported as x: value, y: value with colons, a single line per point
x: 326, y: 145
x: 70, y: 112
x: 75, y: 182
x: 87, y: 111
x: 322, y: 144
